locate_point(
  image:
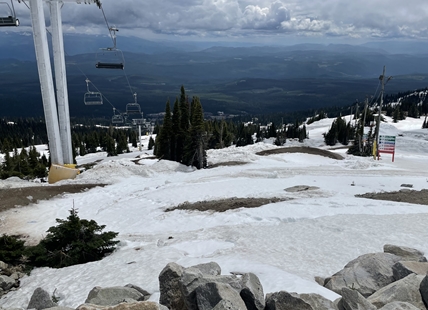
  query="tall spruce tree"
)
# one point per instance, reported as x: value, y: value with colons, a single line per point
x: 163, y: 140
x: 176, y: 147
x: 195, y: 147
x: 184, y: 133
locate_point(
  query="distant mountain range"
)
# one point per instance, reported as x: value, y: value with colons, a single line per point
x: 233, y: 79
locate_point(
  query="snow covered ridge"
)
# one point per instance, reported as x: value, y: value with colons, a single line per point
x: 393, y: 279
x: 286, y: 244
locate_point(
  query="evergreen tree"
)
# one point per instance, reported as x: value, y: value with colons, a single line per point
x: 151, y: 143
x: 195, y: 147
x: 163, y: 140
x: 176, y: 146
x: 122, y: 144
x: 73, y: 241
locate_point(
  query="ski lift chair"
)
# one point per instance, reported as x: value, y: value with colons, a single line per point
x: 11, y: 20
x: 92, y: 97
x: 134, y: 107
x: 111, y: 57
x: 117, y: 118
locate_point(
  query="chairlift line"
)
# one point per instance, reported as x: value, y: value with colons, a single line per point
x: 92, y: 97
x: 10, y: 20
x: 111, y: 57
x: 117, y: 118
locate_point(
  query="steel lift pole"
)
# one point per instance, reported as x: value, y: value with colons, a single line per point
x: 61, y: 81
x: 46, y: 81
x: 56, y: 108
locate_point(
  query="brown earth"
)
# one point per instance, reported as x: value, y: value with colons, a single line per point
x: 11, y: 197
x: 404, y: 195
x: 303, y: 149
x: 23, y: 196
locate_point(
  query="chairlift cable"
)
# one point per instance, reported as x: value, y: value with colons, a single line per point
x: 108, y: 26
x: 114, y: 44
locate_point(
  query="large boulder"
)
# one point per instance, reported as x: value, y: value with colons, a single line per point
x: 399, y: 305
x: 40, y: 300
x: 110, y: 296
x: 406, y: 254
x: 405, y: 290
x: 352, y: 300
x: 141, y: 305
x: 402, y: 269
x: 192, y: 278
x: 316, y: 301
x: 423, y: 289
x: 366, y: 274
x: 283, y: 300
x: 252, y: 292
x: 208, y: 295
x: 6, y: 283
x: 210, y: 269
x: 170, y: 293
x: 142, y: 291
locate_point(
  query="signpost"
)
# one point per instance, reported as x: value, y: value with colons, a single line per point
x: 386, y: 145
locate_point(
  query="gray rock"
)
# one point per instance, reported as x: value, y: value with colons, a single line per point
x: 423, y: 289
x: 399, y: 305
x: 406, y: 254
x: 352, y: 300
x: 252, y: 292
x: 142, y: 291
x: 111, y: 296
x: 402, y: 269
x: 366, y: 274
x: 60, y: 308
x: 3, y: 266
x: 141, y: 305
x: 208, y: 295
x: 40, y: 300
x: 170, y: 293
x: 317, y: 302
x: 192, y: 278
x: 406, y: 290
x: 320, y: 280
x: 283, y: 301
x: 6, y: 283
x: 225, y: 305
x: 211, y: 268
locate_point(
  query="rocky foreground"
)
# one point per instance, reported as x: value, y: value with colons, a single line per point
x: 391, y: 280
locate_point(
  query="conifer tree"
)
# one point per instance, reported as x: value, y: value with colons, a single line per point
x: 176, y: 147
x: 73, y: 241
x: 195, y: 147
x: 163, y: 140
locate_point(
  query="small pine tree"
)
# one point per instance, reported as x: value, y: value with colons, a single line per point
x: 73, y: 241
x: 151, y: 143
x: 11, y: 249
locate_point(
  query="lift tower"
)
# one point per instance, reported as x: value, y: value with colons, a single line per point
x: 55, y: 105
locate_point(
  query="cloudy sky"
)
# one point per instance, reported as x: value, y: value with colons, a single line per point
x: 277, y: 21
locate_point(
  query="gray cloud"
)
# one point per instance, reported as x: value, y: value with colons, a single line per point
x: 364, y: 19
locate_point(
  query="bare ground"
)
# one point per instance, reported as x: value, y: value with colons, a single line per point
x: 23, y: 196
x: 303, y: 149
x: 12, y: 197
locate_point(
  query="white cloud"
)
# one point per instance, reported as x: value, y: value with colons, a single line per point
x: 235, y: 18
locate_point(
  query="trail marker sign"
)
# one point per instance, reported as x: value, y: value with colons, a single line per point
x: 386, y: 145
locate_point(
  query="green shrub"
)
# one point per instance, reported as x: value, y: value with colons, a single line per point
x: 11, y: 249
x: 73, y: 241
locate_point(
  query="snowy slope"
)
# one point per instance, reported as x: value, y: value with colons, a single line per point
x: 285, y: 244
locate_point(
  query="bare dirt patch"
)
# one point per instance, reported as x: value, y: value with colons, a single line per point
x: 23, y: 196
x: 223, y: 205
x: 302, y: 149
x: 404, y: 195
x: 228, y: 163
